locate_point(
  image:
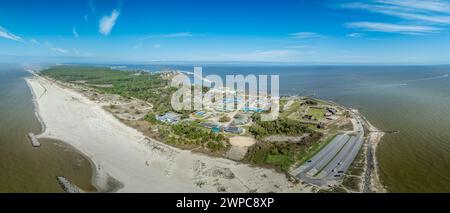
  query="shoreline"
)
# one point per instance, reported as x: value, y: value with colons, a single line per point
x: 374, y: 139
x: 43, y: 134
x: 36, y: 106
x: 187, y: 171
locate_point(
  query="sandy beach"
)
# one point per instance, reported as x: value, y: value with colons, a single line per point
x: 141, y: 164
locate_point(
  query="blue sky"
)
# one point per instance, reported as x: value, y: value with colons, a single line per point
x: 301, y: 31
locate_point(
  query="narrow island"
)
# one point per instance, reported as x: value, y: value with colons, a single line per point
x: 123, y: 122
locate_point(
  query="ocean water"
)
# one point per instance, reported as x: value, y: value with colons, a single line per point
x: 414, y: 100
x: 27, y: 169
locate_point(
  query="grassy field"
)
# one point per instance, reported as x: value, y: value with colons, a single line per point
x: 281, y: 155
x: 145, y: 86
x: 317, y: 113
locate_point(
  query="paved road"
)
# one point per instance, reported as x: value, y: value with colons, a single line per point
x: 330, y: 169
x: 352, y: 155
x: 328, y: 165
x: 328, y: 156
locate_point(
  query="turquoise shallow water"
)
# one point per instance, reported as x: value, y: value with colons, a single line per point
x: 27, y: 169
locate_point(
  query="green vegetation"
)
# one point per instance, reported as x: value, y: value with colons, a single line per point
x: 156, y: 90
x: 145, y: 86
x: 294, y: 107
x: 197, y: 135
x: 149, y: 87
x: 150, y: 117
x: 352, y: 178
x: 189, y: 135
x: 280, y: 154
x: 317, y: 113
x: 224, y: 119
x: 281, y: 126
x: 335, y: 189
x: 351, y: 182
x: 282, y: 103
x: 311, y: 102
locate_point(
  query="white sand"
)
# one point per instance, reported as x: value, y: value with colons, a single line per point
x: 242, y: 141
x: 239, y: 147
x: 140, y: 164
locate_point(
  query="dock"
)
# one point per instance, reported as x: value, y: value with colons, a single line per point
x: 34, y: 140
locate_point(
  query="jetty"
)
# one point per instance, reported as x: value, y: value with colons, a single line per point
x: 34, y: 140
x: 67, y: 185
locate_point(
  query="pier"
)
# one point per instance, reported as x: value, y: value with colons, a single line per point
x: 34, y: 140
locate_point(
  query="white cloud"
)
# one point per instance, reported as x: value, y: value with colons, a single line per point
x: 34, y: 41
x: 75, y: 33
x: 181, y: 34
x: 56, y: 49
x: 157, y: 46
x: 354, y: 35
x: 4, y: 33
x: 430, y: 5
x: 392, y: 28
x: 431, y: 11
x: 172, y: 35
x: 107, y: 22
x: 59, y: 50
x: 305, y: 35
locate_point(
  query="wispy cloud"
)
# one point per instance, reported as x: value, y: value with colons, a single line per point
x: 416, y: 17
x: 59, y: 50
x: 431, y: 11
x: 107, y: 22
x: 34, y: 41
x: 75, y: 33
x: 157, y: 46
x: 4, y: 33
x: 354, y: 35
x: 393, y: 28
x: 56, y: 49
x: 175, y: 35
x: 305, y: 35
x: 430, y: 5
x: 172, y: 35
